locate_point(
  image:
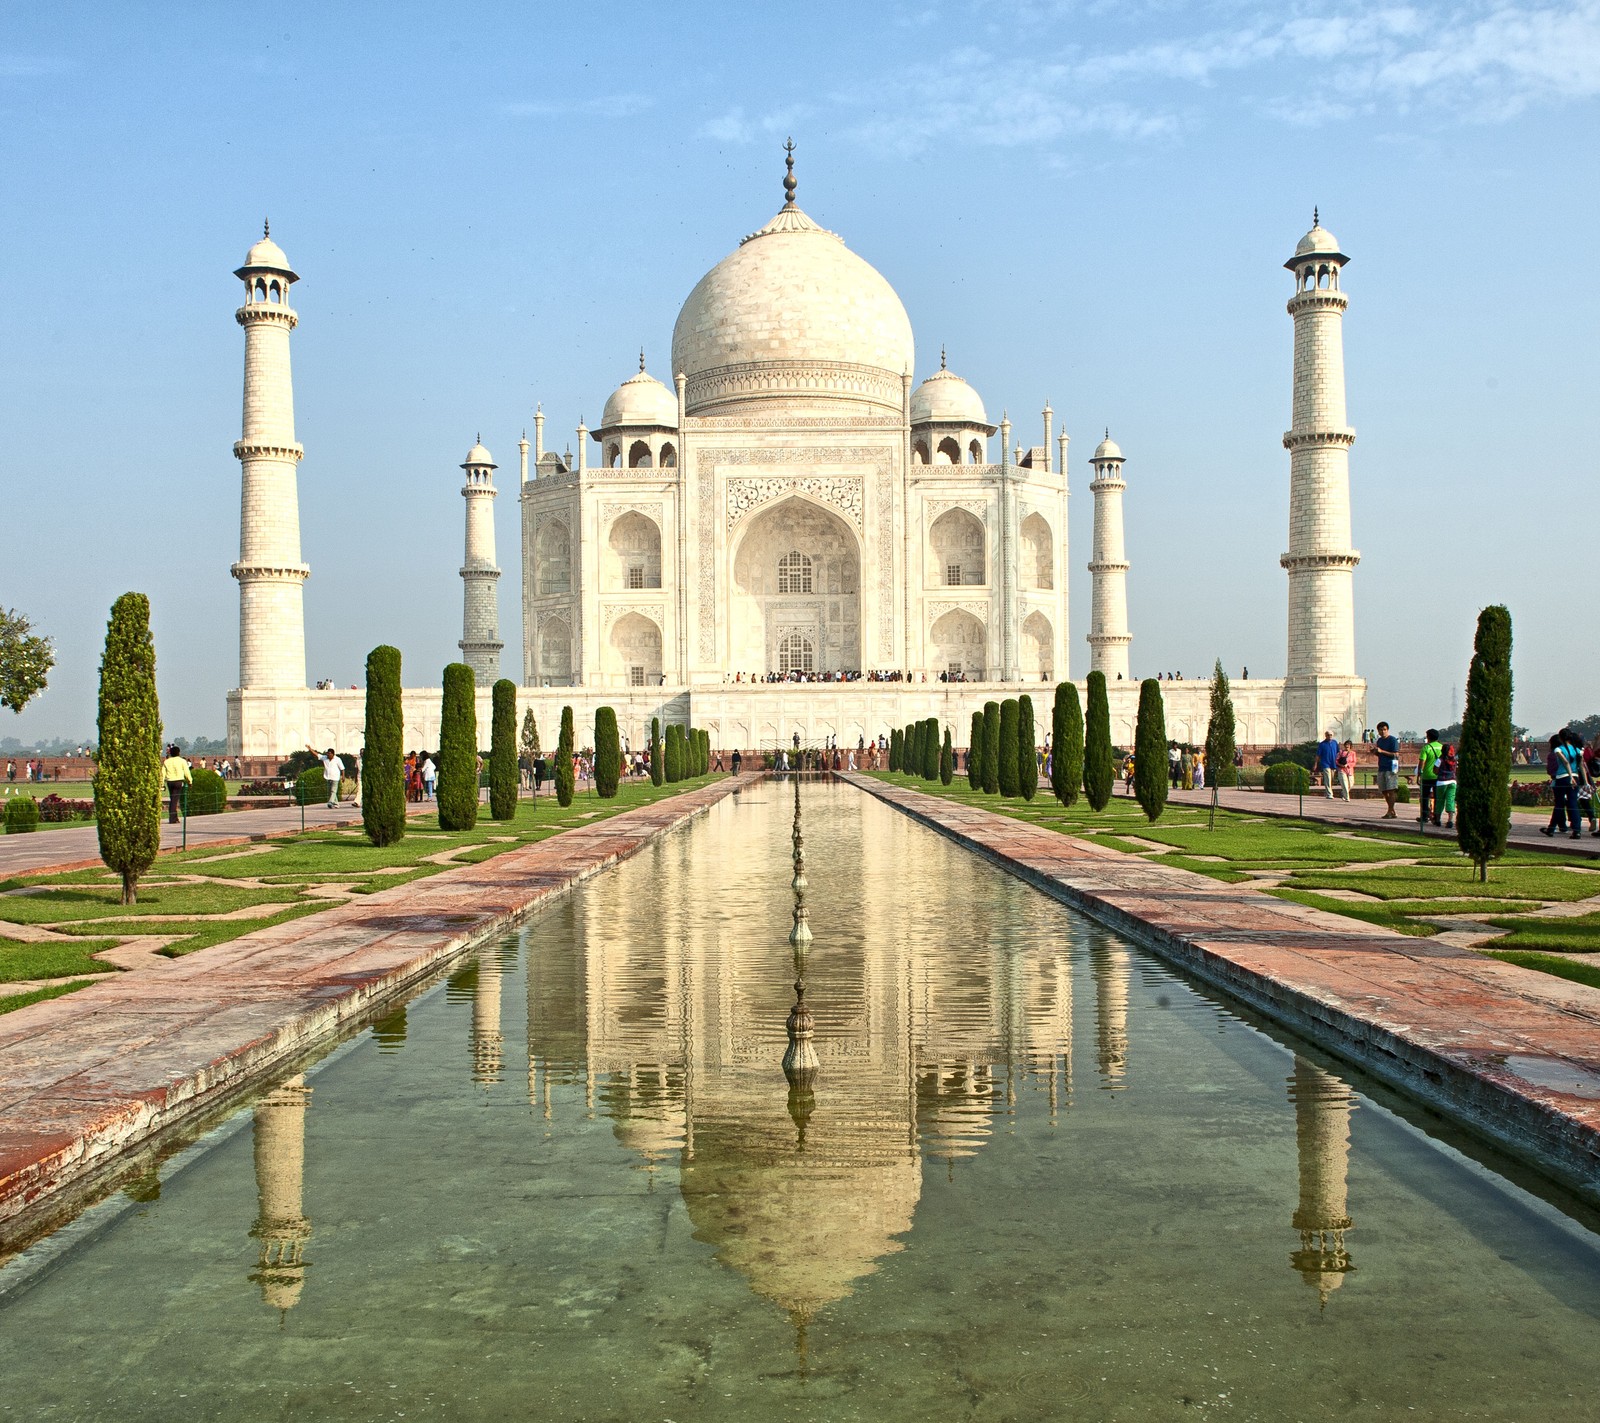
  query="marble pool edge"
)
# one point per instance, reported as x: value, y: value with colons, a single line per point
x: 1448, y: 1064
x: 189, y: 1041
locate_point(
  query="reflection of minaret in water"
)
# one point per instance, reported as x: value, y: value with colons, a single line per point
x: 1322, y: 1106
x: 1110, y: 965
x: 281, y: 1226
x: 487, y: 1039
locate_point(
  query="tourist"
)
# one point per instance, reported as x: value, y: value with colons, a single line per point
x: 1327, y: 761
x: 1428, y: 777
x: 1591, y: 771
x: 1346, y: 766
x: 1127, y: 772
x: 1387, y: 750
x: 1186, y: 769
x: 430, y: 776
x: 1444, y: 789
x: 1174, y: 763
x: 176, y: 773
x: 11, y: 770
x: 1199, y: 770
x: 332, y: 770
x: 736, y: 761
x: 1567, y: 776
x: 1558, y: 812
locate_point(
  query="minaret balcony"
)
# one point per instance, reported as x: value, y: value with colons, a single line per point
x: 263, y: 313
x: 1300, y: 562
x: 250, y: 450
x: 271, y: 572
x: 1336, y: 437
x: 1322, y: 299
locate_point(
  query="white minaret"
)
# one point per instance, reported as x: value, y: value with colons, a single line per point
x: 272, y: 625
x: 480, y: 617
x: 1108, y: 604
x: 1320, y: 560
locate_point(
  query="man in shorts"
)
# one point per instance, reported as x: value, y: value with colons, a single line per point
x: 1387, y: 748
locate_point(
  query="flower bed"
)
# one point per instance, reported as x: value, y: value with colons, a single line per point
x: 57, y: 809
x: 1532, y: 793
x: 262, y: 788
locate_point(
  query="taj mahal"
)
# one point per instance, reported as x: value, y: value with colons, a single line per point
x: 796, y: 537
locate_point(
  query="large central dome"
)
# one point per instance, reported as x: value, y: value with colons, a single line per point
x: 793, y: 317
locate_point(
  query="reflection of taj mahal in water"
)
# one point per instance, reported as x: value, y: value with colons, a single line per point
x: 796, y: 502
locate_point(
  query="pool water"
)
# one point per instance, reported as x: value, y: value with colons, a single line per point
x: 1037, y: 1176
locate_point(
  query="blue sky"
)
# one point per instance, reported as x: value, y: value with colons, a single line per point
x: 1085, y: 202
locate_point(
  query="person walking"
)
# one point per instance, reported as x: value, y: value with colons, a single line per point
x: 1174, y: 764
x: 1444, y: 789
x: 430, y: 776
x: 1346, y: 766
x: 1567, y: 777
x: 1327, y: 761
x: 1558, y: 811
x: 1387, y: 749
x: 1591, y: 771
x: 176, y: 773
x: 1428, y: 778
x: 332, y: 771
x: 736, y: 761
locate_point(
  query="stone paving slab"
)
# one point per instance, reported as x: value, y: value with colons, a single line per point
x: 114, y: 1066
x: 1512, y: 1054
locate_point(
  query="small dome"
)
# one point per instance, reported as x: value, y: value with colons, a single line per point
x: 1108, y: 449
x: 641, y: 400
x: 477, y: 455
x: 1319, y: 239
x: 267, y: 256
x: 946, y: 398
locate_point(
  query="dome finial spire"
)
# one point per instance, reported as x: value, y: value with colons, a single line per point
x: 1316, y: 217
x: 266, y: 227
x: 789, y: 183
x: 941, y: 356
x: 641, y: 360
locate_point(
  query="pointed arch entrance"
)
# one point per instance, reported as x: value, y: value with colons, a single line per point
x: 796, y: 584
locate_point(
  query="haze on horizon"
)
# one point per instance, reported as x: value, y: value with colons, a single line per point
x: 1083, y: 203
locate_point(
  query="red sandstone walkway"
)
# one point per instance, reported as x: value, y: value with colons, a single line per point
x: 1368, y: 815
x: 86, y: 1077
x: 1512, y: 1053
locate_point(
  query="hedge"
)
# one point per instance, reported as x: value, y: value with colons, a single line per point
x: 1286, y: 778
x: 22, y: 815
x: 208, y: 793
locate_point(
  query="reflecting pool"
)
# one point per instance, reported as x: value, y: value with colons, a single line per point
x: 1036, y: 1176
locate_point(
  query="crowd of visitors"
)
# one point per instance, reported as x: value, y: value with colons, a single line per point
x: 1572, y: 766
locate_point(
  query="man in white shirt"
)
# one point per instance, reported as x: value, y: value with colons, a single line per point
x: 332, y: 770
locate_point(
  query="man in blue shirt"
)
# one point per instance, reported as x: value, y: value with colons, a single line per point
x: 1387, y: 748
x: 1327, y: 761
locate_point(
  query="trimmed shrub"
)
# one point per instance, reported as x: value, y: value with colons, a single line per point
x: 566, y: 777
x: 311, y: 787
x: 1220, y: 732
x: 383, y: 784
x: 1066, y: 744
x: 208, y: 793
x: 896, y: 740
x: 1006, y: 767
x: 991, y: 748
x: 1484, y: 795
x: 947, y: 760
x: 458, y: 750
x: 1284, y: 778
x: 1302, y: 753
x: 911, y: 757
x: 607, y: 753
x: 658, y: 763
x: 298, y: 761
x: 1099, y: 761
x: 672, y: 756
x: 975, y: 753
x: 930, y: 749
x: 1150, y: 777
x: 22, y: 815
x: 127, y: 778
x: 503, y: 783
x: 704, y: 738
x: 1027, y: 749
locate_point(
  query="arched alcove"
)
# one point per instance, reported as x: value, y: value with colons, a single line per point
x: 1037, y: 569
x: 553, y: 558
x: 555, y: 652
x: 632, y: 554
x: 959, y: 645
x: 633, y: 652
x: 956, y: 551
x: 948, y: 452
x: 1038, y: 648
x: 639, y: 455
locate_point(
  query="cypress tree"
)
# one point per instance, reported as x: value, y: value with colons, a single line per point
x: 1006, y: 770
x: 705, y: 752
x: 503, y: 750
x: 930, y: 749
x: 607, y: 753
x: 383, y: 787
x: 1484, y: 763
x: 1027, y: 749
x: 566, y: 779
x: 658, y: 765
x: 1220, y: 745
x: 991, y: 747
x: 894, y: 749
x: 1099, y: 770
x: 1066, y: 744
x: 458, y: 750
x: 1150, y: 776
x: 947, y: 760
x: 911, y: 757
x: 674, y: 756
x: 127, y: 778
x: 975, y: 753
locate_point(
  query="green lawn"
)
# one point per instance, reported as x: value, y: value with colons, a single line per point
x: 276, y: 877
x: 11, y: 1003
x: 1313, y: 859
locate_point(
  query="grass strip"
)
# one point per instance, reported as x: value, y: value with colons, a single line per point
x: 1548, y: 883
x: 1381, y: 914
x: 14, y: 1001
x: 1544, y: 963
x: 21, y: 960
x: 1577, y: 935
